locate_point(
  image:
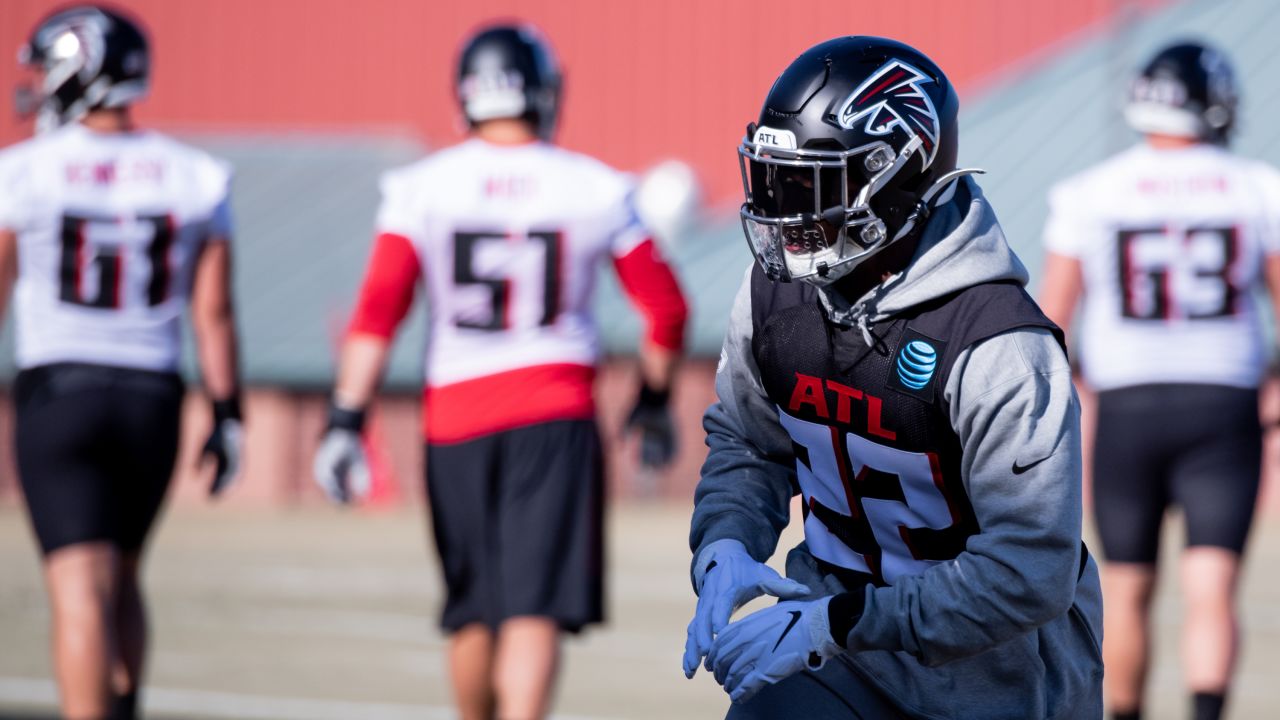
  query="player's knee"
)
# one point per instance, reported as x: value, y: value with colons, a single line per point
x: 1209, y: 575
x: 82, y: 580
x: 1128, y: 587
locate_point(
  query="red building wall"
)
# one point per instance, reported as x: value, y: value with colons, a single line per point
x: 645, y: 80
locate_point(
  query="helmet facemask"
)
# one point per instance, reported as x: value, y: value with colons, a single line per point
x: 808, y: 213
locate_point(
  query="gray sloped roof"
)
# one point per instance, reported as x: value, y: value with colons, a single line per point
x: 303, y: 209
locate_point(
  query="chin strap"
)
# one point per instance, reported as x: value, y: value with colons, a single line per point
x: 924, y: 207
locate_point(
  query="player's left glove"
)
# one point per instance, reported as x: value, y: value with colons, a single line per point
x: 772, y: 644
x: 652, y: 419
x: 225, y: 445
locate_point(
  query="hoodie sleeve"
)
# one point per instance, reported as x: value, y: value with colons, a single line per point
x: 1016, y: 412
x: 749, y: 475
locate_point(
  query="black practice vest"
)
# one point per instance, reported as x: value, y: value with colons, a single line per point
x: 877, y: 460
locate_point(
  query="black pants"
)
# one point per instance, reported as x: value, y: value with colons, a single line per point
x: 1198, y: 447
x: 518, y: 522
x: 96, y: 447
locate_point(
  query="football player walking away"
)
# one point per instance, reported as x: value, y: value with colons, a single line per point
x: 884, y: 362
x: 1166, y: 245
x: 505, y: 232
x: 108, y: 231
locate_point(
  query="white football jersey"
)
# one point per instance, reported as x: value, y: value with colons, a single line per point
x: 509, y: 239
x: 1171, y: 244
x: 109, y: 227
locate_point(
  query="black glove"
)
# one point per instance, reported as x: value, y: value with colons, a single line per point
x: 652, y: 419
x: 225, y: 444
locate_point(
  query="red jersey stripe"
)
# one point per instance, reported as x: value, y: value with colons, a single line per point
x: 503, y: 401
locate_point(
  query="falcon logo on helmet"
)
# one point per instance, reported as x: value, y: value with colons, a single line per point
x: 891, y: 98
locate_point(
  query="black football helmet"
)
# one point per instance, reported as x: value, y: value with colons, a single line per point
x: 856, y: 138
x: 1187, y: 90
x: 91, y: 57
x: 509, y: 71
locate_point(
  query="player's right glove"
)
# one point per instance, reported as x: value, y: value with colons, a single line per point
x: 726, y: 577
x: 340, y: 468
x: 773, y: 644
x: 652, y: 419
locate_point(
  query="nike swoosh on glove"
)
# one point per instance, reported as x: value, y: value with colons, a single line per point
x: 771, y: 645
x: 726, y: 578
x: 340, y: 468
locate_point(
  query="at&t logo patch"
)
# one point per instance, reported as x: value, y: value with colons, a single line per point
x: 916, y: 364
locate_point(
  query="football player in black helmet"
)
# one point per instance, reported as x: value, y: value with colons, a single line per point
x: 513, y: 455
x: 884, y: 362
x: 119, y: 231
x: 1166, y: 248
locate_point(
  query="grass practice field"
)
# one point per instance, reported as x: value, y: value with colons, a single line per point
x: 316, y: 614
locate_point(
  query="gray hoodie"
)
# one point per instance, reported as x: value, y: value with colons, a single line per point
x: 1010, y: 628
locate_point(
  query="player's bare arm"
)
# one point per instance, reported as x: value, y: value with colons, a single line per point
x: 361, y: 362
x: 8, y: 266
x: 1271, y: 273
x: 385, y: 297
x: 213, y: 322
x: 1060, y: 288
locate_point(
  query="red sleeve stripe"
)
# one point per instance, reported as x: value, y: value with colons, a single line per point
x: 387, y: 291
x: 653, y: 289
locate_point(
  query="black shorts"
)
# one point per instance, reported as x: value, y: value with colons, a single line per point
x: 518, y: 521
x: 1198, y: 447
x: 96, y: 447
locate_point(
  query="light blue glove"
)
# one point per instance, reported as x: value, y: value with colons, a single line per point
x: 726, y: 578
x: 772, y: 644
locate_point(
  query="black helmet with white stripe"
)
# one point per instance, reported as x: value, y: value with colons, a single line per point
x: 509, y: 71
x: 1187, y: 89
x: 91, y: 57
